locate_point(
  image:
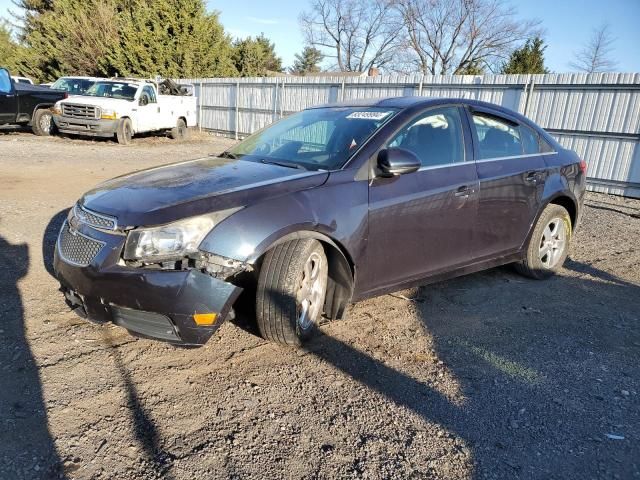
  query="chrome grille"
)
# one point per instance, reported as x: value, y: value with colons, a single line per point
x: 94, y: 219
x: 77, y: 248
x: 79, y: 111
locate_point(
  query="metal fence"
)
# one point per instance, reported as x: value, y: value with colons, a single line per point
x: 597, y: 115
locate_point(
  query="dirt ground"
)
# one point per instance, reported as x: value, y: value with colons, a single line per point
x: 486, y: 376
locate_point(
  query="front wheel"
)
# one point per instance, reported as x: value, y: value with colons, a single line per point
x: 548, y: 246
x: 42, y: 123
x: 291, y: 291
x: 124, y: 133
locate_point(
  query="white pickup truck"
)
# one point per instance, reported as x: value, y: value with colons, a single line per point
x: 124, y: 107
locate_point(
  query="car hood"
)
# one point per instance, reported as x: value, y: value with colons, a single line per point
x: 172, y: 192
x: 103, y: 102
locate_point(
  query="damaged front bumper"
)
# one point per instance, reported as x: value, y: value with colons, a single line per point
x: 152, y: 303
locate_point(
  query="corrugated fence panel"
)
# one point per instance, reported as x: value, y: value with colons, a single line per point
x: 597, y: 115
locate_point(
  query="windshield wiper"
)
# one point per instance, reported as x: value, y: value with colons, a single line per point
x: 226, y: 154
x: 282, y: 164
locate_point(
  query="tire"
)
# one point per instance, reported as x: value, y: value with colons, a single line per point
x: 548, y: 246
x: 291, y: 291
x: 124, y: 133
x: 42, y: 123
x: 180, y: 131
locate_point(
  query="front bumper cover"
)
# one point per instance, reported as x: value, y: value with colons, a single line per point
x: 139, y: 299
x: 89, y: 127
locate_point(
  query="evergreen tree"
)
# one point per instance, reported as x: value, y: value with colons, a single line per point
x: 472, y: 68
x: 171, y: 38
x: 527, y: 59
x: 307, y: 61
x: 255, y: 57
x: 9, y: 50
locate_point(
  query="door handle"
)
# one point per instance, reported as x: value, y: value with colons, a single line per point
x: 463, y: 191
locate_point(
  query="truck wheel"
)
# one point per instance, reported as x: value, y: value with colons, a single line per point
x: 42, y: 123
x: 180, y: 131
x: 124, y: 133
x: 291, y: 291
x: 549, y: 244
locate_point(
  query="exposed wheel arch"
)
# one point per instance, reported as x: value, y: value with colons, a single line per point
x: 570, y: 206
x: 342, y: 272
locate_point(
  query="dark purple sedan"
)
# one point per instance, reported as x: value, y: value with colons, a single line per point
x: 329, y: 206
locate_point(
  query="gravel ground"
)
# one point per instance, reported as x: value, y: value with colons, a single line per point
x: 486, y: 376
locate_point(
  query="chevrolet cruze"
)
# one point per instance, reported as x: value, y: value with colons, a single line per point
x: 326, y: 207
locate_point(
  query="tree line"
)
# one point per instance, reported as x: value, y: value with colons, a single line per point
x: 170, y: 38
x: 180, y: 38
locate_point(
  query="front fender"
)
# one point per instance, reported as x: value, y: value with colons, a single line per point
x: 336, y: 210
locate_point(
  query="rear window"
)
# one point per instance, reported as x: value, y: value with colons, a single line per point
x: 497, y: 138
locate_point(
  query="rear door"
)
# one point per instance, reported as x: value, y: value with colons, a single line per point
x: 511, y: 171
x: 421, y: 223
x: 8, y: 99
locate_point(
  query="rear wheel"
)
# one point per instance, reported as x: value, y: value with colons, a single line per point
x: 180, y: 131
x: 124, y: 133
x: 291, y: 290
x: 42, y: 123
x: 549, y: 244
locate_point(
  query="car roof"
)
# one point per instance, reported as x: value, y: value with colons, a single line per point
x: 403, y: 103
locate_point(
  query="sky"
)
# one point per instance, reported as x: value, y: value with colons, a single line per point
x: 567, y: 24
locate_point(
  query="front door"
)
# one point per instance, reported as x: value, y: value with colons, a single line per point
x: 421, y: 223
x: 512, y: 172
x: 149, y: 117
x: 8, y: 104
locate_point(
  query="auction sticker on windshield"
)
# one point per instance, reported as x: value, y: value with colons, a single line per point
x: 368, y: 115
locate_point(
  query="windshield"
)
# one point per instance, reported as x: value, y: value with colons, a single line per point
x: 122, y: 90
x: 316, y: 139
x: 75, y: 86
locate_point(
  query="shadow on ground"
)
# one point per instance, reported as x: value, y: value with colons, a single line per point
x: 27, y: 449
x: 544, y: 382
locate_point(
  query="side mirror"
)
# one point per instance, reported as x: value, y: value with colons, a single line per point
x: 397, y: 161
x: 144, y: 101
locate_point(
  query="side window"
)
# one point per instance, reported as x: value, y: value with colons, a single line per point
x: 497, y: 138
x: 5, y: 81
x: 529, y: 140
x: 435, y: 137
x: 150, y: 94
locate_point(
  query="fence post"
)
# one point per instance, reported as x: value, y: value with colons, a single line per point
x: 237, y: 109
x: 282, y: 99
x: 526, y: 105
x: 342, y: 91
x: 420, y: 86
x: 275, y: 102
x: 200, y: 109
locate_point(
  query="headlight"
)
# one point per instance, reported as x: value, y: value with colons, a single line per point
x: 56, y: 110
x: 171, y: 241
x: 108, y: 114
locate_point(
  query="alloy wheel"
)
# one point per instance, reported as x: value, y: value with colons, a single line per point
x: 553, y: 242
x: 311, y: 291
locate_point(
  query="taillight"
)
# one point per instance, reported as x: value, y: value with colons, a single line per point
x: 66, y: 94
x: 583, y: 166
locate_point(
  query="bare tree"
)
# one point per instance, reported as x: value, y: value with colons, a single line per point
x: 451, y: 36
x: 595, y: 56
x: 358, y: 34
